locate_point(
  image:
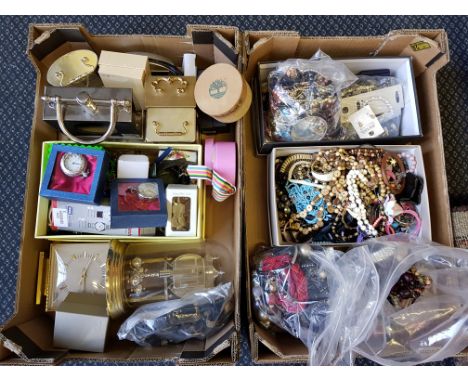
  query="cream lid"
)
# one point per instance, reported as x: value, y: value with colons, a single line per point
x: 219, y: 89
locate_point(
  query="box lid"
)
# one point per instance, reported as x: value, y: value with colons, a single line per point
x: 85, y: 304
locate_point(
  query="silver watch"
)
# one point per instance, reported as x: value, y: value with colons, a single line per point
x: 147, y: 191
x: 73, y: 164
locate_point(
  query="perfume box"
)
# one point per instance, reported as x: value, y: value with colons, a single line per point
x: 138, y: 203
x: 75, y: 174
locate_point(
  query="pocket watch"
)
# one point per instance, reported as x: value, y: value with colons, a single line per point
x: 74, y: 164
x: 75, y: 268
x: 147, y: 190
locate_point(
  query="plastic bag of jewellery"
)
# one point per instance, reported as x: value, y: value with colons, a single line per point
x: 395, y: 300
x: 290, y: 285
x: 194, y: 316
x: 305, y: 98
x: 383, y: 94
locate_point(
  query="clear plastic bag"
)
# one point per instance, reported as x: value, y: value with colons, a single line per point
x: 194, y: 316
x: 305, y: 98
x: 362, y: 319
x: 350, y: 309
x: 384, y: 95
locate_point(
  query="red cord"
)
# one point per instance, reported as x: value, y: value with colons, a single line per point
x: 294, y: 283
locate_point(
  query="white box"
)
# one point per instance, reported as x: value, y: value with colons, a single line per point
x: 402, y: 69
x: 132, y: 166
x: 275, y: 234
x: 88, y: 218
x: 185, y: 197
x: 81, y: 323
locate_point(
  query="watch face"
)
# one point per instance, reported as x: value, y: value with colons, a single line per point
x: 148, y: 190
x: 74, y: 164
x: 77, y: 268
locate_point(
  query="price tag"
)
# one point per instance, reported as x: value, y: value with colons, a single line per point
x: 366, y: 123
x: 60, y: 217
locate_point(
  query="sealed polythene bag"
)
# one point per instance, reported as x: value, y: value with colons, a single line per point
x: 305, y: 98
x: 395, y: 300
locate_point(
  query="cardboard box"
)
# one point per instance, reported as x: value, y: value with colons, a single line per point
x: 400, y: 68
x: 27, y: 338
x: 280, y: 45
x: 276, y: 238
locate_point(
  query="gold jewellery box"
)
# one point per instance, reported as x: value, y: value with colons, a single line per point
x: 170, y: 113
x: 170, y: 91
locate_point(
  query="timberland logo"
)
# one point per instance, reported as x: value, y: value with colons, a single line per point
x: 218, y: 89
x: 420, y: 45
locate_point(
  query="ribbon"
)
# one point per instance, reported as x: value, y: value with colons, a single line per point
x: 222, y: 188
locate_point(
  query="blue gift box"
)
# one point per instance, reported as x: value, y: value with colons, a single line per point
x: 53, y: 172
x: 139, y: 207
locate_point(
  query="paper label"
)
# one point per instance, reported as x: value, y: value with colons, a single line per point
x: 366, y: 123
x: 60, y: 217
x: 387, y: 101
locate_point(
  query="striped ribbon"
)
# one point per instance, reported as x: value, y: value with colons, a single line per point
x: 222, y: 189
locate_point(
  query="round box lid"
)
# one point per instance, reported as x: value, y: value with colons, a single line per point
x: 219, y: 90
x: 72, y: 67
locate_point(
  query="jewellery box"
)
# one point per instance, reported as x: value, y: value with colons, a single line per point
x: 81, y: 114
x: 170, y: 114
x: 75, y: 174
x: 138, y: 203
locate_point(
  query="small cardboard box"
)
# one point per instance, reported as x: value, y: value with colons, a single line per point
x: 275, y: 232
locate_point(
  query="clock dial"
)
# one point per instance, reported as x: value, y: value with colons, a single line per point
x: 77, y: 268
x: 74, y: 162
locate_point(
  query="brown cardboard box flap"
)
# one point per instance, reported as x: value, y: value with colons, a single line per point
x: 424, y: 50
x: 31, y: 342
x: 282, y: 43
x: 425, y: 46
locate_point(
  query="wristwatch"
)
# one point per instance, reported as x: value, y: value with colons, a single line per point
x: 73, y: 164
x: 147, y: 191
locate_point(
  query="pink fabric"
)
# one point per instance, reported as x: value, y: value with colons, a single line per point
x: 129, y: 200
x: 221, y: 157
x: 77, y: 184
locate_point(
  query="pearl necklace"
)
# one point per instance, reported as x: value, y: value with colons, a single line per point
x: 356, y: 208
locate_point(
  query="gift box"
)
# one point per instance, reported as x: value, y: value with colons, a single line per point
x: 75, y: 174
x: 138, y: 203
